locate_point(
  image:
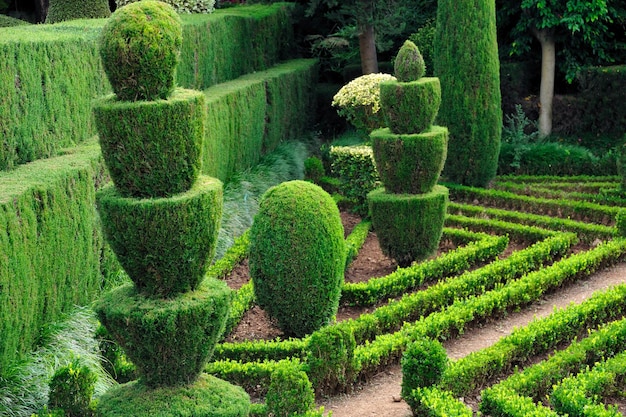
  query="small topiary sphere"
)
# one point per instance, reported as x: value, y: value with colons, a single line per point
x: 423, y: 365
x: 140, y: 46
x: 409, y: 64
x: 297, y: 256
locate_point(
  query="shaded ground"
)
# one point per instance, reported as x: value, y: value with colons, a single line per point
x: 381, y: 395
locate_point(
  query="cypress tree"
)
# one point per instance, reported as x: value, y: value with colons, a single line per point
x: 466, y: 62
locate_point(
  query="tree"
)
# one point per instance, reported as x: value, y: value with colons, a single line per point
x: 466, y: 62
x: 579, y: 27
x: 60, y: 10
x: 376, y: 23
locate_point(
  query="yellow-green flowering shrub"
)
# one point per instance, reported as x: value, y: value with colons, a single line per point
x: 359, y: 101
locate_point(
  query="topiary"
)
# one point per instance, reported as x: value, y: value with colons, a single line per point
x: 297, y: 256
x: 140, y: 47
x: 409, y: 64
x: 71, y: 389
x: 423, y: 364
x: 290, y: 393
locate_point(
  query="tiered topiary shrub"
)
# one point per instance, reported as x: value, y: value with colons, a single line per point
x: 466, y: 61
x: 408, y: 213
x: 297, y: 256
x: 161, y: 218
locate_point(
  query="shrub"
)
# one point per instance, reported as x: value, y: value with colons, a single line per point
x: 71, y: 389
x: 410, y: 107
x: 140, y: 47
x: 331, y: 359
x: 359, y: 101
x: 423, y: 39
x: 297, y: 256
x: 181, y: 6
x: 423, y: 365
x: 290, y: 393
x: 61, y: 10
x: 313, y: 169
x: 467, y: 56
x: 549, y: 158
x: 409, y: 64
x: 620, y: 223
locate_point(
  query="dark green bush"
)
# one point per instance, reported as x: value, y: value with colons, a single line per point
x: 620, y: 223
x: 410, y: 107
x: 140, y: 48
x: 313, y: 169
x: 165, y: 245
x: 408, y: 226
x: 169, y: 340
x: 409, y: 64
x: 8, y: 21
x: 410, y: 163
x: 423, y: 39
x: 61, y: 10
x: 423, y: 365
x: 290, y: 393
x: 466, y: 62
x: 297, y: 256
x: 71, y: 389
x: 152, y: 148
x: 209, y: 396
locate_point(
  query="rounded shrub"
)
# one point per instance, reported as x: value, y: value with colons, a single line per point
x: 166, y: 244
x: 71, y: 389
x: 410, y: 164
x: 207, y: 397
x: 297, y: 256
x: 359, y: 102
x: 152, y: 148
x: 408, y: 226
x: 409, y: 64
x: 410, y: 107
x: 191, y: 323
x: 140, y: 47
x: 290, y: 393
x: 61, y: 10
x: 423, y: 365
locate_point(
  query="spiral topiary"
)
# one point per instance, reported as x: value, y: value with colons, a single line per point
x: 140, y: 47
x: 409, y: 64
x: 297, y: 256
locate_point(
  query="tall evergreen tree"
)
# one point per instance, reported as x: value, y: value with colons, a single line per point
x: 466, y: 62
x: 60, y: 10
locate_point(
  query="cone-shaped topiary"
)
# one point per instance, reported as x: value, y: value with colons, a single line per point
x: 140, y: 47
x: 297, y: 256
x: 409, y: 64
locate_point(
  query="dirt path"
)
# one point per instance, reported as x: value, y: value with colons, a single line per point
x: 379, y: 397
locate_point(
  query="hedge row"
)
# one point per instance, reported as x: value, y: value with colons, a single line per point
x: 606, y: 193
x: 50, y: 73
x: 572, y: 180
x: 516, y: 395
x: 50, y: 242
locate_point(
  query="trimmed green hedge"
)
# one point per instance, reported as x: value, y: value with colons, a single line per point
x: 50, y: 73
x: 50, y: 242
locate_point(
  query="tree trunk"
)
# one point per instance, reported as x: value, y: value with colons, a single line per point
x: 41, y: 10
x: 546, y: 90
x: 367, y: 49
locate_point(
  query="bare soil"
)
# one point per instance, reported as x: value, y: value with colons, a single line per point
x: 380, y: 396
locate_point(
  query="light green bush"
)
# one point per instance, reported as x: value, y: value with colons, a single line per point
x: 181, y: 6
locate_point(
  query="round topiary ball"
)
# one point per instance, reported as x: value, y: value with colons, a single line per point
x: 423, y: 365
x: 409, y: 64
x: 140, y: 46
x: 297, y: 256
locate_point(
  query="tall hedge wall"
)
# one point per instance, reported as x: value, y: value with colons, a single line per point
x: 466, y: 62
x: 50, y: 244
x: 50, y: 73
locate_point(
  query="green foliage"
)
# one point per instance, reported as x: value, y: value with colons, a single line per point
x: 620, y: 223
x: 600, y: 90
x: 194, y: 320
x: 355, y: 240
x: 208, y: 396
x: 297, y: 256
x: 181, y: 6
x: 359, y: 102
x: 71, y: 389
x: 409, y: 64
x: 423, y: 364
x: 114, y: 359
x: 410, y: 163
x: 434, y: 402
x: 518, y: 132
x: 410, y: 107
x: 152, y: 148
x: 313, y: 169
x: 140, y: 48
x: 61, y: 10
x: 165, y: 245
x: 408, y: 226
x: 354, y: 165
x: 290, y: 393
x: 467, y: 56
x: 331, y: 366
x: 8, y: 21
x: 423, y: 38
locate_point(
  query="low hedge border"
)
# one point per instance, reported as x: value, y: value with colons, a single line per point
x: 608, y: 194
x: 587, y: 232
x: 534, y: 179
x: 516, y: 395
x: 580, y: 395
x: 356, y: 239
x: 517, y: 232
x: 578, y: 210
